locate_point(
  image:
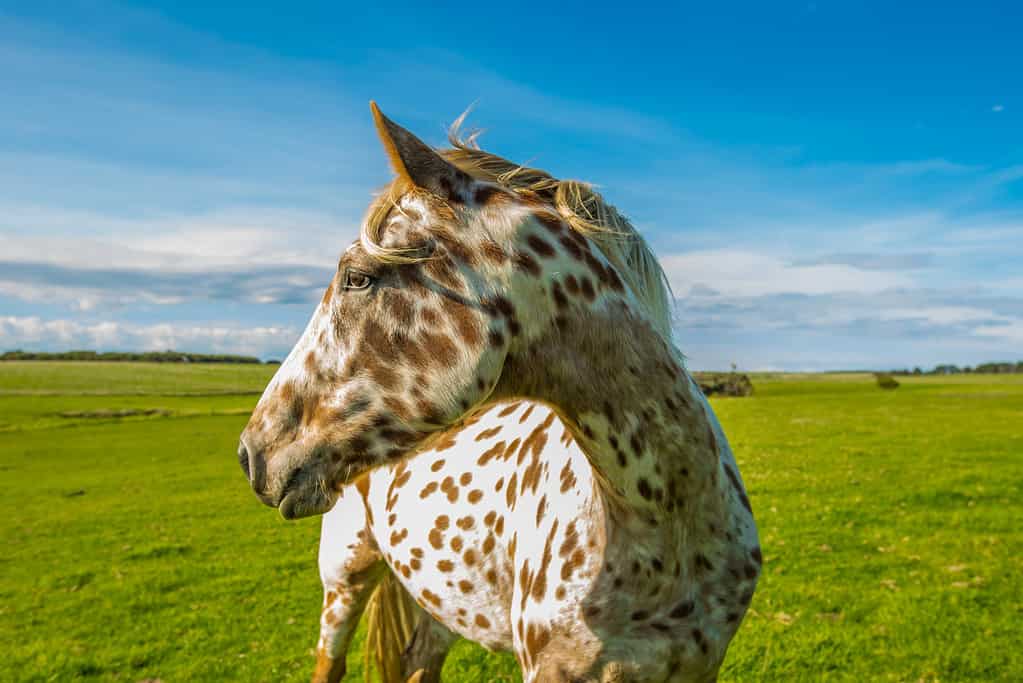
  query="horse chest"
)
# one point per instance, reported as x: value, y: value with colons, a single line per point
x: 491, y: 526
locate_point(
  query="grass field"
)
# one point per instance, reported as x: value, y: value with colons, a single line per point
x: 891, y: 523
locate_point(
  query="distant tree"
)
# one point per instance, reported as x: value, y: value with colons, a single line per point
x: 147, y: 356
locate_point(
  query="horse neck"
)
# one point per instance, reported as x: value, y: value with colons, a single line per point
x: 635, y: 411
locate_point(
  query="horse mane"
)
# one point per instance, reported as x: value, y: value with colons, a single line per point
x: 578, y: 204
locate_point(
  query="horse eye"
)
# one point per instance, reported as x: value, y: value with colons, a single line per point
x: 357, y: 280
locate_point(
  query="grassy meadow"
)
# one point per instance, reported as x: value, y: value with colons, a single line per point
x: 891, y: 524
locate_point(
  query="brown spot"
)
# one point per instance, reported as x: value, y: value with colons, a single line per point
x: 587, y: 289
x: 455, y: 248
x: 482, y: 621
x: 549, y: 221
x: 487, y: 433
x: 501, y: 306
x: 465, y: 586
x: 596, y: 267
x: 637, y: 445
x: 465, y: 322
x: 398, y: 407
x: 494, y: 451
x: 613, y: 279
x: 445, y: 565
x: 401, y: 308
x: 484, y: 193
x: 541, y: 508
x: 431, y: 597
x: 436, y: 538
x: 437, y: 464
x: 559, y: 295
x: 572, y: 285
x: 537, y: 638
x: 429, y: 316
x: 567, y: 476
x: 475, y: 496
x: 328, y: 294
x: 539, y: 587
x: 540, y: 246
x: 310, y: 363
x: 571, y: 541
x: 509, y: 409
x: 488, y: 544
x: 440, y: 348
x: 469, y: 557
x: 682, y: 610
x: 572, y: 246
x: 428, y: 489
x: 456, y: 544
x: 493, y: 252
x: 526, y: 263
x: 362, y: 486
x: 573, y: 563
x: 511, y: 491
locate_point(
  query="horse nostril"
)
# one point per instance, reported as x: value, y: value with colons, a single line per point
x: 252, y: 464
x: 243, y: 460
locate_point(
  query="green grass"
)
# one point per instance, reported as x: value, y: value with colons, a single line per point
x: 890, y: 523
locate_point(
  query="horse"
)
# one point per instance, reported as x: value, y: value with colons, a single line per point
x: 489, y: 409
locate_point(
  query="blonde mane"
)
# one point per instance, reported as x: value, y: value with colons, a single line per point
x: 578, y: 204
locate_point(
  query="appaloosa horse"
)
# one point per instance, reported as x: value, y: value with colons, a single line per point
x: 488, y: 405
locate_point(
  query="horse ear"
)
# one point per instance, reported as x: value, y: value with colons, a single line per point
x: 414, y: 160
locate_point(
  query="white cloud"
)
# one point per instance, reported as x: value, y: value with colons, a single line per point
x: 61, y: 334
x: 942, y: 315
x: 178, y: 243
x: 1011, y: 332
x: 743, y: 273
x: 997, y: 108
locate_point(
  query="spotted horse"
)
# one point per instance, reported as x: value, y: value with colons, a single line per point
x: 488, y: 407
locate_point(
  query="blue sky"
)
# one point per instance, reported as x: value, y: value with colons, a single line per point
x: 829, y: 185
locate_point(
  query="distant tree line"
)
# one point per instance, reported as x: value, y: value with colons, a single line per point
x: 982, y: 369
x: 145, y: 357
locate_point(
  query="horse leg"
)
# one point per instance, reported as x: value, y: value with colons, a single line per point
x: 425, y: 652
x: 350, y: 568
